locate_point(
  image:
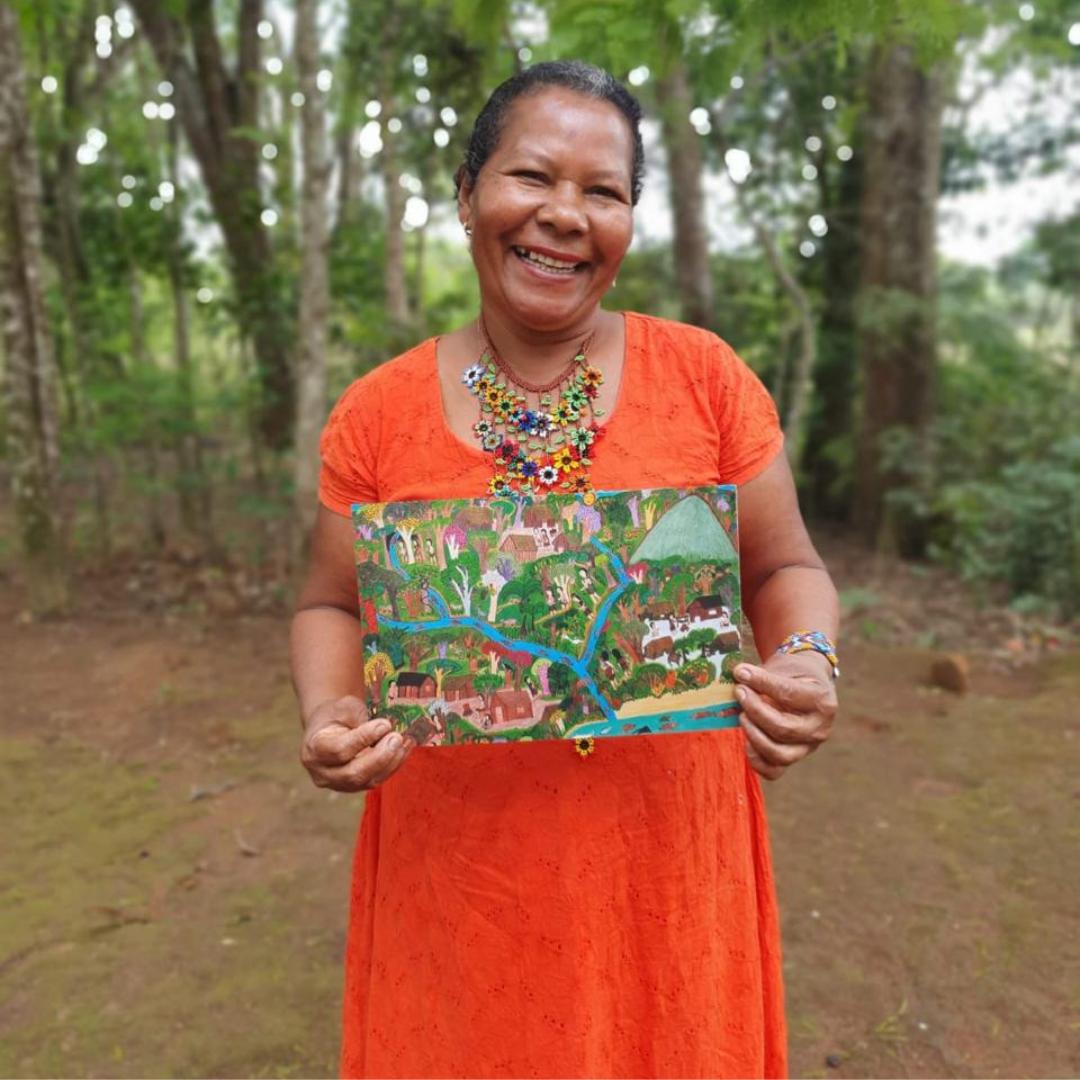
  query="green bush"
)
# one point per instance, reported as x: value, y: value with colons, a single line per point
x: 1021, y: 529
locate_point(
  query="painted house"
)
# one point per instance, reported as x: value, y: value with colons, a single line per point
x: 458, y: 687
x: 659, y: 647
x: 507, y: 705
x: 519, y: 546
x: 727, y: 641
x: 536, y: 516
x: 415, y: 684
x: 708, y: 607
x: 473, y: 517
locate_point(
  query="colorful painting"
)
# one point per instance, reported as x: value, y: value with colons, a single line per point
x: 492, y: 620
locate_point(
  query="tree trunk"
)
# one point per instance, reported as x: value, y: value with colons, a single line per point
x: 219, y: 110
x: 685, y: 169
x: 397, y: 290
x: 30, y: 376
x: 828, y: 474
x: 799, y: 377
x: 156, y: 532
x: 314, y: 272
x: 196, y: 497
x: 897, y: 339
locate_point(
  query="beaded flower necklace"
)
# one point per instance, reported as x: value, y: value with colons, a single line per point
x: 542, y: 449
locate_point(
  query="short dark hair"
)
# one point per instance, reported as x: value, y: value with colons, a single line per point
x: 576, y: 75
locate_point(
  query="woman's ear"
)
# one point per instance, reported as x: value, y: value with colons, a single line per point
x: 464, y: 193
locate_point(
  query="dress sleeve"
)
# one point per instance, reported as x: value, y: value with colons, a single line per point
x: 348, y: 450
x: 750, y: 434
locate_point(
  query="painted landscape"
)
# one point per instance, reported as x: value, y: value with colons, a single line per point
x: 495, y: 619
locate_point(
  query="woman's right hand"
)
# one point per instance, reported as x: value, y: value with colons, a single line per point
x: 345, y: 751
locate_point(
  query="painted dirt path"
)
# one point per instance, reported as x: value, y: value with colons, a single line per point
x: 925, y: 857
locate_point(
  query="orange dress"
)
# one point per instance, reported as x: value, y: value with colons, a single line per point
x: 518, y: 910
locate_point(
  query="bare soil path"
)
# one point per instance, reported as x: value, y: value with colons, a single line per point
x: 173, y: 891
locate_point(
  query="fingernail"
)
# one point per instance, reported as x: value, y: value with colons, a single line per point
x: 742, y: 672
x: 393, y: 741
x: 740, y: 695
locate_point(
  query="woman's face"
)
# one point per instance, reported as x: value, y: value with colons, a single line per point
x: 550, y: 210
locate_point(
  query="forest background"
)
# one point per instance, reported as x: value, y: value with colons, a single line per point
x: 214, y: 214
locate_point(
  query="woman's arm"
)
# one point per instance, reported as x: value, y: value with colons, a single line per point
x: 789, y: 702
x: 341, y: 749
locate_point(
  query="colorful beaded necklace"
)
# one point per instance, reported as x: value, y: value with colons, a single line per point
x: 541, y: 449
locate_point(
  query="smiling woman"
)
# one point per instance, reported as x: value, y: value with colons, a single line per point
x: 526, y: 910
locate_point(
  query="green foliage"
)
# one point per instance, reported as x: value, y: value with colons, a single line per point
x: 1022, y: 528
x: 696, y: 674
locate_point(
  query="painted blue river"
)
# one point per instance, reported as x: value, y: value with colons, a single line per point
x: 687, y: 720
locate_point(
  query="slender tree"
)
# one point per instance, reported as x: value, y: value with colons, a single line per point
x: 687, y: 195
x: 218, y: 107
x: 30, y: 378
x: 314, y: 265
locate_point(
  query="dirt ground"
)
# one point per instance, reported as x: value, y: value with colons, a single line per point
x: 173, y: 890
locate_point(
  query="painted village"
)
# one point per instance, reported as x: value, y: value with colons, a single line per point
x: 501, y: 620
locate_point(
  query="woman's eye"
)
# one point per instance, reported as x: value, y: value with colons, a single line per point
x: 527, y: 174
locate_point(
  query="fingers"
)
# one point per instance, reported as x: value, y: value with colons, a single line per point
x: 336, y: 744
x: 799, y: 695
x: 370, y: 767
x: 769, y: 757
x: 761, y: 766
x: 783, y: 727
x: 788, y: 724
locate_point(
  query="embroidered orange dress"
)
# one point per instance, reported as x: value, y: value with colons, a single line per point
x: 522, y: 911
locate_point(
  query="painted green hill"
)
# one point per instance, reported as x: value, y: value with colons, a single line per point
x: 688, y: 530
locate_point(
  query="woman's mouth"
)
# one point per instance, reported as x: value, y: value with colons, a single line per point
x: 546, y: 264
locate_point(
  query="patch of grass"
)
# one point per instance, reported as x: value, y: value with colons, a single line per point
x: 107, y: 969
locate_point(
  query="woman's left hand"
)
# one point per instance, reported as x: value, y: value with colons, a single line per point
x: 788, y: 706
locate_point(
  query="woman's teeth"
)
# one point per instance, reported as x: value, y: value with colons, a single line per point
x: 555, y: 265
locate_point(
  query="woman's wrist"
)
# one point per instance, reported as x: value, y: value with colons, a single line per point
x: 811, y: 642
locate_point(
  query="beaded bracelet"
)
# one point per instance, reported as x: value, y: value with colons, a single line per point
x: 812, y: 641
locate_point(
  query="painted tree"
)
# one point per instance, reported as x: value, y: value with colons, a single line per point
x: 454, y: 537
x: 463, y: 586
x: 406, y: 528
x: 376, y: 668
x: 495, y: 583
x: 563, y: 580
x: 29, y: 370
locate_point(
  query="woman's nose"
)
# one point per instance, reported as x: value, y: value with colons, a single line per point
x: 564, y: 209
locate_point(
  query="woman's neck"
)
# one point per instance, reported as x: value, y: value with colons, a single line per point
x: 537, y: 356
